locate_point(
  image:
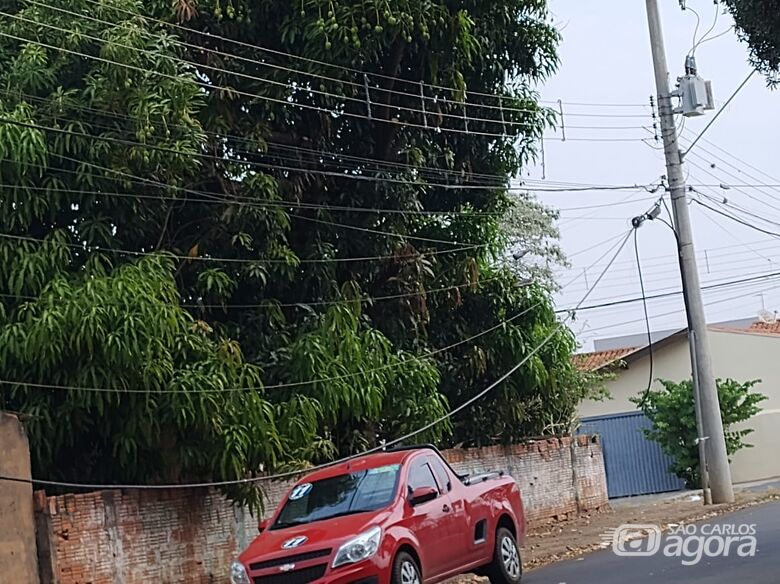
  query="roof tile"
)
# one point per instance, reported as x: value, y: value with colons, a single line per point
x: 765, y: 327
x: 600, y: 359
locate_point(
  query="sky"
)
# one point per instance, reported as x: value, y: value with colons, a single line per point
x: 605, y: 59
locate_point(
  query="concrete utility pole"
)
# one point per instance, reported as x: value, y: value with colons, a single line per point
x: 712, y: 430
x: 700, y: 443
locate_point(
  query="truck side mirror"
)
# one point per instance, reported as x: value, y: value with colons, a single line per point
x: 422, y: 495
x: 263, y: 525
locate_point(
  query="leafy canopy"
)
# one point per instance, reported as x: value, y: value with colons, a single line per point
x: 673, y: 413
x: 758, y: 24
x: 184, y: 233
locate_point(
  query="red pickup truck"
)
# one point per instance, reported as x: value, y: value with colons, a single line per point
x: 397, y: 517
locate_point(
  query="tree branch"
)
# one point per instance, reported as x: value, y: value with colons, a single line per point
x: 386, y: 132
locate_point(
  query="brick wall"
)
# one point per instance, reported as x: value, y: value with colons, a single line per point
x: 557, y: 476
x: 167, y: 537
x: 139, y: 536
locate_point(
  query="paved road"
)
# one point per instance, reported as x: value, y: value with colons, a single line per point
x: 607, y: 568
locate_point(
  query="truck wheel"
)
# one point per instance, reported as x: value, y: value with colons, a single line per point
x: 405, y: 570
x: 506, y: 567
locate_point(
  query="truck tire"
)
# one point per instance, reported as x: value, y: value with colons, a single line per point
x: 506, y: 567
x: 405, y: 570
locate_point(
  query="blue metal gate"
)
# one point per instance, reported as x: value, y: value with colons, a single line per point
x: 634, y: 464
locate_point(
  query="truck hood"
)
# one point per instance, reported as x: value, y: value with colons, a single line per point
x: 320, y: 535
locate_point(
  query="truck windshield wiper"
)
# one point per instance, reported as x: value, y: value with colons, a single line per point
x: 304, y: 522
x: 290, y: 524
x: 344, y: 513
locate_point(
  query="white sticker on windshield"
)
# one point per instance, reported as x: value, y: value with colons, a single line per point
x: 300, y: 491
x: 383, y: 469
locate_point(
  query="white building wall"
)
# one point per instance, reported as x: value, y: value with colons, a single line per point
x: 738, y: 356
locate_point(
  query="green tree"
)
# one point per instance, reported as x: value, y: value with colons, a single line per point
x: 758, y: 24
x: 533, y: 250
x: 673, y: 414
x: 126, y: 131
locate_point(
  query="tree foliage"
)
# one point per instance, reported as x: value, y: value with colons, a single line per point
x: 183, y: 228
x: 673, y: 414
x: 758, y: 24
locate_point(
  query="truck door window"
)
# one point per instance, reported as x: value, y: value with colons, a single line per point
x: 441, y: 475
x: 421, y: 475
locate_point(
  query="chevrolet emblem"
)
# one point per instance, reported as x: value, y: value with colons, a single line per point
x: 286, y: 567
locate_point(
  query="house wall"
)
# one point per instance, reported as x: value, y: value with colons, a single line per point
x: 739, y: 356
x: 672, y: 361
x: 744, y: 357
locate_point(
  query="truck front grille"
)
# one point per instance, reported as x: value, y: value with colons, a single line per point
x: 289, y: 560
x: 302, y: 576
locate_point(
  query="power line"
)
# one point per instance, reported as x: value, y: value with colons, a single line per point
x: 738, y: 169
x: 282, y: 204
x: 432, y: 424
x: 341, y: 68
x: 249, y: 163
x: 500, y: 180
x: 696, y: 28
x: 341, y: 175
x: 222, y: 197
x: 735, y: 186
x: 303, y: 383
x: 736, y: 239
x: 295, y: 384
x: 596, y: 245
x: 717, y: 36
x: 524, y: 186
x: 100, y: 248
x: 662, y: 260
x: 716, y: 276
x: 415, y: 359
x: 703, y: 39
x: 713, y: 267
x: 743, y: 162
x: 634, y: 300
x: 676, y: 312
x: 771, y: 193
x: 287, y: 102
x: 645, y: 312
x: 303, y: 303
x: 724, y: 203
x: 715, y: 260
x: 360, y: 86
x: 736, y: 219
x: 629, y: 309
x: 212, y: 87
x: 718, y: 113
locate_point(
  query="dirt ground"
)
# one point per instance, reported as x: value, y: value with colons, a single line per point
x: 568, y: 539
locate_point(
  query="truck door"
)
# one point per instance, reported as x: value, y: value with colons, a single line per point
x: 460, y: 522
x: 431, y: 522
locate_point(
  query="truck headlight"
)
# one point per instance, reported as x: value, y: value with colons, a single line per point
x: 238, y: 574
x: 359, y: 548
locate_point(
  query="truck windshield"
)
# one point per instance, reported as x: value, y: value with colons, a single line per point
x: 357, y: 492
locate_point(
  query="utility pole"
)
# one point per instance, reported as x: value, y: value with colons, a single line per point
x: 711, y: 428
x: 701, y: 442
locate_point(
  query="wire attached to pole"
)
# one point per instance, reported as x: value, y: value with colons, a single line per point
x: 647, y: 318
